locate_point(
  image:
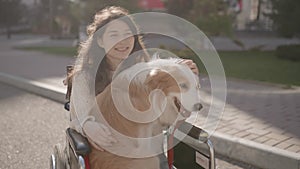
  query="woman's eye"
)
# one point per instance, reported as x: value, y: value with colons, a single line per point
x: 128, y: 34
x: 113, y: 35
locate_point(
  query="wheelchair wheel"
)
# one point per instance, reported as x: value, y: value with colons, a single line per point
x: 57, y: 159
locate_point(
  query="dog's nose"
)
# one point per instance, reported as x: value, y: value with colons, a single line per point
x: 198, y: 106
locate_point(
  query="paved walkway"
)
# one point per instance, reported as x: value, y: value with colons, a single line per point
x: 31, y: 64
x: 263, y: 113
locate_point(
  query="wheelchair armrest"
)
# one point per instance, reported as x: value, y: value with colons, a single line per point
x: 195, y: 155
x: 78, y: 142
x: 193, y: 131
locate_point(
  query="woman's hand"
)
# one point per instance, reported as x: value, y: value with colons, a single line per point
x: 191, y: 64
x: 98, y: 134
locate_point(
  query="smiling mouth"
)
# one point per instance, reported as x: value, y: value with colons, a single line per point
x: 183, y: 111
x: 122, y: 49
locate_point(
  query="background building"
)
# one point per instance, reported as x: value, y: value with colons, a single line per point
x: 153, y: 5
x: 253, y: 15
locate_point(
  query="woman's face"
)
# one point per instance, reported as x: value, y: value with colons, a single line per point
x: 117, y: 41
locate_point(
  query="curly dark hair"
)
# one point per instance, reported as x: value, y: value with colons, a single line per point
x: 89, y: 51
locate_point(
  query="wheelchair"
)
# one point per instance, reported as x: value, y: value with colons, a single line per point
x: 194, y: 151
x: 187, y: 153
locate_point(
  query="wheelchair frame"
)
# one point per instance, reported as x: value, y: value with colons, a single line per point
x: 75, y: 154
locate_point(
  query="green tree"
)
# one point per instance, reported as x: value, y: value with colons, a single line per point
x: 92, y: 6
x: 48, y: 12
x: 179, y: 7
x: 212, y: 17
x: 10, y: 14
x: 286, y: 17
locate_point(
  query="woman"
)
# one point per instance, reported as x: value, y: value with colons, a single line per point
x: 113, y: 35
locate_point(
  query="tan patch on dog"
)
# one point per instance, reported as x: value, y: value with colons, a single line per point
x: 159, y: 79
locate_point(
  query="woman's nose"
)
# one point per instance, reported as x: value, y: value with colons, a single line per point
x: 121, y: 39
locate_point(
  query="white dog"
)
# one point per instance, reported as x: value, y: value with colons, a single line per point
x: 140, y: 102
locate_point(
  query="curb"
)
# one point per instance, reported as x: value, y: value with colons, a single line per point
x: 257, y: 82
x: 239, y: 149
x: 249, y: 152
x: 42, y: 89
x: 253, y: 153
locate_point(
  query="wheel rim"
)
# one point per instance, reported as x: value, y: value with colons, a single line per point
x: 52, y: 162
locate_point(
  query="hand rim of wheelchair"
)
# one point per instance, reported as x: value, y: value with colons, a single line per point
x: 56, y: 161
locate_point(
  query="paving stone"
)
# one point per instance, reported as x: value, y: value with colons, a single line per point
x: 261, y: 126
x: 240, y: 126
x: 229, y: 118
x: 251, y: 136
x: 245, y: 117
x: 232, y: 131
x: 279, y: 137
x: 271, y: 142
x: 242, y: 134
x: 276, y: 130
x: 283, y: 145
x: 242, y: 122
x: 223, y: 130
x: 291, y: 135
x: 294, y: 148
x: 295, y: 141
x: 258, y: 131
x: 261, y: 139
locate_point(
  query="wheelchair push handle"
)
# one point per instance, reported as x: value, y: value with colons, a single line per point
x: 194, y: 132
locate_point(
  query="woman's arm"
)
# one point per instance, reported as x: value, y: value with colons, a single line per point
x: 97, y: 133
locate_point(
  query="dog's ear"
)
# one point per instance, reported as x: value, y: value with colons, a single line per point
x: 154, y: 78
x: 160, y: 79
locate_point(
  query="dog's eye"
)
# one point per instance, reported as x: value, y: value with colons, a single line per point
x: 183, y: 85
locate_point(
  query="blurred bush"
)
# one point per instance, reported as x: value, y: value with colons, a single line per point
x: 289, y: 52
x: 286, y: 17
x: 212, y: 17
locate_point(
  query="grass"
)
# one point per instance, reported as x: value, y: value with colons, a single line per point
x: 64, y: 51
x: 260, y: 66
x: 256, y: 65
x: 250, y: 65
